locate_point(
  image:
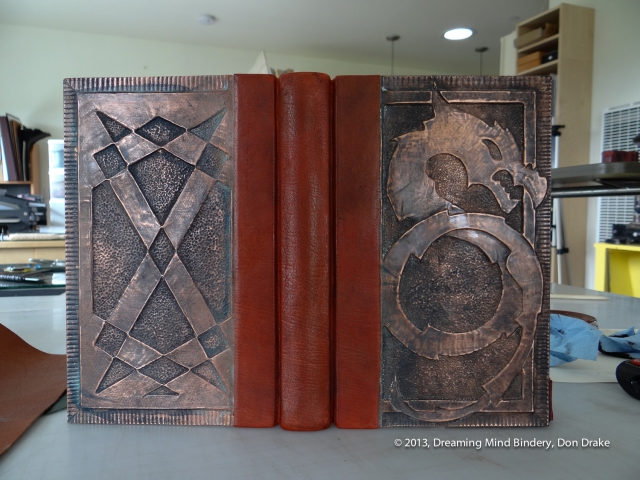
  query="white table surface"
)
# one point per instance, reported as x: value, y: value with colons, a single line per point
x: 53, y: 449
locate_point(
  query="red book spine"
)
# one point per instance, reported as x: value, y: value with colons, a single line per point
x: 256, y: 345
x: 305, y: 250
x: 357, y: 224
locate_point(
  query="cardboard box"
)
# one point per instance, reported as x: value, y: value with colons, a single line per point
x: 528, y: 65
x: 535, y: 34
x: 530, y: 58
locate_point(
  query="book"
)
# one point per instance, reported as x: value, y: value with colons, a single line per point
x: 442, y: 251
x: 10, y: 166
x: 171, y: 250
x: 251, y: 251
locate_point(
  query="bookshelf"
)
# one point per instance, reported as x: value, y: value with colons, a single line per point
x: 572, y: 105
x: 31, y: 186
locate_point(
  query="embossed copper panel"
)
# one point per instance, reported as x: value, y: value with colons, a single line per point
x: 465, y: 251
x: 151, y: 328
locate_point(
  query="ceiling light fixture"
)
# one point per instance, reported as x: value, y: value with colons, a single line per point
x: 458, y: 33
x: 206, y: 19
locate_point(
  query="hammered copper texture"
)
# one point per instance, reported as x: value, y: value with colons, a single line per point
x: 147, y: 299
x: 464, y: 251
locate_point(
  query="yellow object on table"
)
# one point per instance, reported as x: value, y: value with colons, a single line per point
x: 618, y: 269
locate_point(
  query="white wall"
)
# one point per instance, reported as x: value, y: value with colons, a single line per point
x: 34, y: 62
x: 616, y: 69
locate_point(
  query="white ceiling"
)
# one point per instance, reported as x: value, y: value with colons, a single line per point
x: 351, y: 30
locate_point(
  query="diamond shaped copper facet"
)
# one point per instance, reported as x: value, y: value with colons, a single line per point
x: 163, y: 370
x: 110, y: 339
x: 212, y: 160
x: 161, y: 177
x: 161, y: 324
x: 160, y: 131
x: 162, y: 250
x: 110, y: 161
x: 213, y: 341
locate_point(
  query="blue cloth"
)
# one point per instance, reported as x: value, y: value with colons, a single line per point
x: 572, y: 338
x: 625, y: 341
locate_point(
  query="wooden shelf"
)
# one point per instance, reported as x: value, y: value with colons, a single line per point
x: 572, y: 107
x: 543, y: 69
x: 547, y: 44
x: 34, y: 183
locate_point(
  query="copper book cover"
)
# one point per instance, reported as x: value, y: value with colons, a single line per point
x: 464, y: 254
x: 149, y: 166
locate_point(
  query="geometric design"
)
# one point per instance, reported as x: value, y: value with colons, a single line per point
x: 117, y: 371
x: 110, y: 161
x: 206, y: 129
x: 117, y: 250
x: 205, y: 250
x: 160, y: 131
x: 161, y: 177
x: 188, y: 147
x: 163, y: 370
x: 161, y: 324
x: 208, y: 372
x: 110, y: 339
x: 213, y: 341
x: 190, y: 354
x: 137, y: 310
x: 137, y: 354
x: 134, y: 147
x: 212, y: 160
x: 115, y: 129
x: 162, y: 250
x: 162, y: 391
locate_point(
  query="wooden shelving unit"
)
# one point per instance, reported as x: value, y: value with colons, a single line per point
x: 32, y: 186
x: 572, y: 106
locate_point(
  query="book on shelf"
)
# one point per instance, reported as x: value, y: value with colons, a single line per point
x: 299, y: 251
x: 16, y: 145
x: 9, y: 153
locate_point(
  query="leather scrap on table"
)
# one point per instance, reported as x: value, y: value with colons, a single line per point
x: 31, y: 381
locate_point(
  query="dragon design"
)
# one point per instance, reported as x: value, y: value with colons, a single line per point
x: 485, y: 151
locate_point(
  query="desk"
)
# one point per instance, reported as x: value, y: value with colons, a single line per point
x: 20, y: 252
x: 52, y: 449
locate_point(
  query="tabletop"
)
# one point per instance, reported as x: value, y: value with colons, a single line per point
x: 588, y: 417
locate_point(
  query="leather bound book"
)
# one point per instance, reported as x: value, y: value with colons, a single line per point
x: 305, y: 250
x: 442, y: 221
x: 170, y: 220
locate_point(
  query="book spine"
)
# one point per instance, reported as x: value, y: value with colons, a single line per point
x: 357, y: 225
x: 7, y: 145
x: 256, y: 342
x: 305, y: 250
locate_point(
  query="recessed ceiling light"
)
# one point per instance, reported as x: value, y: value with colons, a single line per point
x: 458, y: 34
x: 207, y: 19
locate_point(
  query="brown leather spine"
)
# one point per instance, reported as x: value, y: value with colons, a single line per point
x: 256, y: 341
x: 357, y: 224
x: 305, y: 250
